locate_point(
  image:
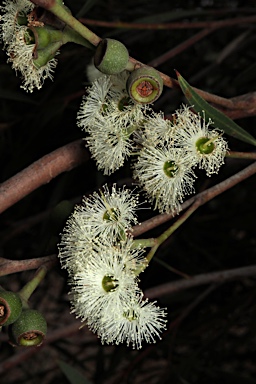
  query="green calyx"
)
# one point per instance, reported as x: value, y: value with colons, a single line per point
x: 10, y: 307
x: 111, y: 56
x: 29, y: 37
x: 130, y: 315
x: 111, y: 214
x: 124, y: 102
x: 205, y: 145
x: 29, y: 329
x: 170, y: 168
x: 22, y: 20
x: 43, y: 36
x: 144, y: 85
x: 109, y: 283
x: 43, y: 56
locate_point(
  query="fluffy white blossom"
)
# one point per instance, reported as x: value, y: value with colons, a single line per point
x: 202, y: 146
x: 108, y: 98
x: 110, y: 117
x: 76, y: 242
x: 109, y: 144
x: 21, y: 55
x: 164, y: 175
x: 106, y: 282
x: 14, y: 14
x: 156, y: 129
x: 109, y: 212
x: 135, y: 322
x: 104, y: 216
x: 93, y: 103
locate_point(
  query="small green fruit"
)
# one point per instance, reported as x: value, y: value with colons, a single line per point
x: 144, y: 85
x: 10, y: 307
x: 30, y: 328
x: 111, y: 57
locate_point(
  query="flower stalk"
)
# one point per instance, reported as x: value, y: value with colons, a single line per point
x: 164, y: 236
x: 62, y: 12
x: 30, y: 287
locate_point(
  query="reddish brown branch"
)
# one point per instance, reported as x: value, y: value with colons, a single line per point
x: 174, y: 25
x: 203, y: 197
x: 180, y: 48
x: 205, y: 278
x: 12, y: 266
x: 168, y: 81
x: 41, y: 172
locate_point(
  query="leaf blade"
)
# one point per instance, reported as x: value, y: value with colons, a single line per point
x: 218, y: 118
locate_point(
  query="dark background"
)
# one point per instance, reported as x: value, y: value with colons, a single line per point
x: 215, y: 342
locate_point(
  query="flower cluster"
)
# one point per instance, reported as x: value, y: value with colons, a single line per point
x: 109, y: 117
x: 103, y: 266
x: 167, y: 151
x: 34, y: 65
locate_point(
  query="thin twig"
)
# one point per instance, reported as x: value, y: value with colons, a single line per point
x: 13, y: 266
x: 204, y: 197
x: 242, y: 155
x: 204, y: 278
x: 174, y: 25
x: 180, y: 48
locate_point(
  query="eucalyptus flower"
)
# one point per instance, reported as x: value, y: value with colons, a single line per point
x: 107, y: 98
x: 110, y: 144
x: 22, y: 56
x: 104, y: 216
x: 108, y: 213
x: 94, y: 102
x: 110, y: 117
x: 135, y: 322
x: 155, y: 129
x: 14, y: 15
x: 164, y: 175
x: 105, y: 283
x: 202, y: 146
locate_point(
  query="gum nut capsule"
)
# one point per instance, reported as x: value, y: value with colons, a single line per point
x: 111, y: 56
x: 144, y: 85
x: 10, y: 307
x: 30, y: 328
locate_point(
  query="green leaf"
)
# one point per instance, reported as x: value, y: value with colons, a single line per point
x: 219, y: 119
x: 72, y: 374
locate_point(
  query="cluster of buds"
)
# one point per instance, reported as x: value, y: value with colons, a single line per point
x: 26, y: 327
x: 144, y: 85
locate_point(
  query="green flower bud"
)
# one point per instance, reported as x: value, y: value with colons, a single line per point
x: 43, y: 36
x: 144, y: 85
x: 111, y: 56
x: 30, y: 329
x: 43, y: 56
x: 10, y: 307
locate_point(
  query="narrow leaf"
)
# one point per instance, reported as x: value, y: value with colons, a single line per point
x: 72, y: 374
x: 218, y: 118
